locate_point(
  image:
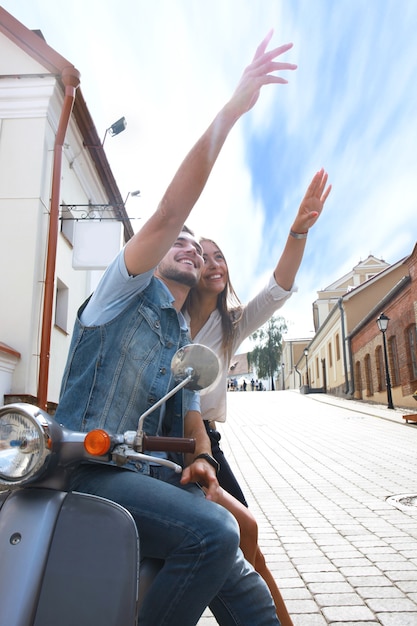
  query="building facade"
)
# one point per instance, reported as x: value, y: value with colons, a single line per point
x: 327, y: 298
x: 370, y: 380
x: 341, y: 359
x: 52, y: 164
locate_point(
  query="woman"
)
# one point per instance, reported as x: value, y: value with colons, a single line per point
x: 217, y: 319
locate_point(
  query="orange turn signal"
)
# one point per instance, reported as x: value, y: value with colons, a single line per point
x: 97, y: 442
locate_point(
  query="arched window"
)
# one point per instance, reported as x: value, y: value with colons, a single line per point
x: 358, y: 380
x: 394, y: 367
x: 368, y: 376
x: 380, y: 369
x: 337, y: 342
x: 412, y: 350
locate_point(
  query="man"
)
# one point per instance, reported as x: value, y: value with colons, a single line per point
x: 119, y: 365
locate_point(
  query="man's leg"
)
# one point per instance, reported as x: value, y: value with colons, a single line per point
x: 244, y: 599
x: 197, y: 539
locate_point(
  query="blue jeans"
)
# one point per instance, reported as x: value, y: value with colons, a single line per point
x: 197, y: 539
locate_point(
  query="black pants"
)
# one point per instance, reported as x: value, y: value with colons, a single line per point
x: 226, y: 478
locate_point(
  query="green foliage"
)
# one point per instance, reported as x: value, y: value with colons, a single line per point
x: 266, y: 355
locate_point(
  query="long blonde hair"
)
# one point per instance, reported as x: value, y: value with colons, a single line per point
x: 228, y: 304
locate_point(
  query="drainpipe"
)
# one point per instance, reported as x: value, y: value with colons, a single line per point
x: 299, y: 374
x: 352, y: 376
x: 342, y: 323
x: 71, y: 79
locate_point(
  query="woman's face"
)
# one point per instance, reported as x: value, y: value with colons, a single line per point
x: 215, y: 274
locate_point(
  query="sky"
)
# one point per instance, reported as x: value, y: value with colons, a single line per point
x: 168, y: 66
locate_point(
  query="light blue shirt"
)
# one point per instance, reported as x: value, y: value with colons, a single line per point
x: 115, y: 291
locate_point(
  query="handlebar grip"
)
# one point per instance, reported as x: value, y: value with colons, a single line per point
x: 167, y: 444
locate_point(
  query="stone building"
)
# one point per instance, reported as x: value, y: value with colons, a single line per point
x: 400, y: 306
x: 345, y: 356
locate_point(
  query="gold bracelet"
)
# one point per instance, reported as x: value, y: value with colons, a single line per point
x: 298, y: 235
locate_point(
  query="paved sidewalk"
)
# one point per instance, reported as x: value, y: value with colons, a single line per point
x: 318, y: 473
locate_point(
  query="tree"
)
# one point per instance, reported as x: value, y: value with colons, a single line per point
x: 266, y: 356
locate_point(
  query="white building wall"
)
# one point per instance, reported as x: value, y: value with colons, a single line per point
x: 30, y: 108
x: 22, y: 254
x: 7, y: 367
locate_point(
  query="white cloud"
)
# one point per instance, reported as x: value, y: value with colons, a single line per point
x: 350, y: 107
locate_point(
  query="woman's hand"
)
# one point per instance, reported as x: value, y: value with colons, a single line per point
x: 312, y: 203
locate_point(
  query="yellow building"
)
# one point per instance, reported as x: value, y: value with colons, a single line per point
x: 324, y: 363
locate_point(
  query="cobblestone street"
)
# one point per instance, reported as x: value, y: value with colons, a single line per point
x: 318, y: 473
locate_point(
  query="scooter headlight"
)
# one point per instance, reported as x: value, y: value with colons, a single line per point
x: 23, y: 444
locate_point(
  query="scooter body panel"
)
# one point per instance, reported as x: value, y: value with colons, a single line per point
x: 66, y: 558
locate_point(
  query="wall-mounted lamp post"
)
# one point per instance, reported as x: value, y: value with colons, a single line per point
x: 306, y: 356
x: 382, y: 322
x: 115, y: 129
x: 134, y: 194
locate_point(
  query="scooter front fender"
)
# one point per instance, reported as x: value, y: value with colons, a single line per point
x: 66, y: 558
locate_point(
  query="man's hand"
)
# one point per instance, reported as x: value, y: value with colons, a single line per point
x: 200, y: 471
x: 150, y: 244
x: 259, y: 73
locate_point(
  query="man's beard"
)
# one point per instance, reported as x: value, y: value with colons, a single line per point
x: 173, y: 273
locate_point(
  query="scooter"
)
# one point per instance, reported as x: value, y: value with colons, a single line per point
x: 69, y: 558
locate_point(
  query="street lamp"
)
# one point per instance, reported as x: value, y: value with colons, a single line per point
x: 115, y: 129
x: 133, y: 194
x: 306, y: 356
x: 382, y: 322
x: 282, y: 376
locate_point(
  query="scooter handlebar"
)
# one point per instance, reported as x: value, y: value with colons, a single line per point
x: 168, y: 444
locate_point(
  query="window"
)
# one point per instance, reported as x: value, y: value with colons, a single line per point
x: 368, y: 376
x: 412, y: 350
x: 337, y: 347
x: 61, y: 306
x: 394, y: 367
x: 358, y: 380
x: 67, y: 224
x: 380, y: 369
x: 329, y: 349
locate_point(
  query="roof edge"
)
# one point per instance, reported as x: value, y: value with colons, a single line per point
x: 35, y: 46
x: 32, y: 43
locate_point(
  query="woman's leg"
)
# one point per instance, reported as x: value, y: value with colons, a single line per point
x: 262, y: 569
x: 226, y: 478
x: 252, y: 552
x: 247, y: 525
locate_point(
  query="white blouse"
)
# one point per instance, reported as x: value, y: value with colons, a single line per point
x: 254, y: 314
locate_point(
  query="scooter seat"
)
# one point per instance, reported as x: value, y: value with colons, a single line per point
x: 148, y: 569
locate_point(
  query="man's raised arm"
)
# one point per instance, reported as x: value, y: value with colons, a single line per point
x: 150, y: 244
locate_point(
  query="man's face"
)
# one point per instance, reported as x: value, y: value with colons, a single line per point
x: 183, y: 262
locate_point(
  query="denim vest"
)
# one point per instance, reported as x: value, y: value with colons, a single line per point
x: 117, y: 370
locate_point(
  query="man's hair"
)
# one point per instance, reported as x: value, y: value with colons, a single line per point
x: 185, y: 229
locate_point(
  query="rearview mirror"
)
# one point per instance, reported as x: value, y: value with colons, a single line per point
x: 197, y: 361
